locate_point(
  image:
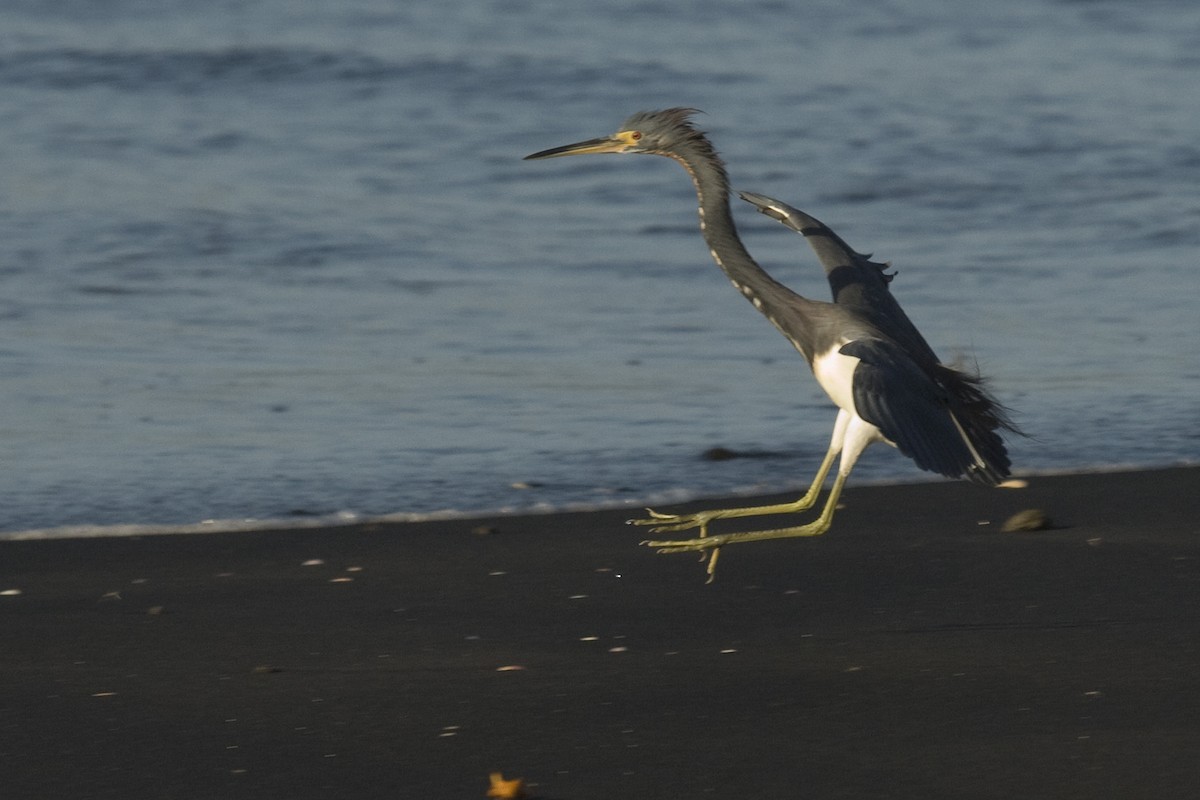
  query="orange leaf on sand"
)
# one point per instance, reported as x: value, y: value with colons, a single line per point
x: 506, y: 790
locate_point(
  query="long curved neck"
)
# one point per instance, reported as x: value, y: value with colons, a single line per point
x: 783, y: 308
x: 717, y: 227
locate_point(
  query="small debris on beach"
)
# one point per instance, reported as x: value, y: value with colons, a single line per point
x: 1031, y: 519
x: 501, y: 789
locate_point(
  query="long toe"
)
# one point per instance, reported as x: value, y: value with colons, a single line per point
x: 667, y: 524
x: 683, y: 545
x: 655, y: 518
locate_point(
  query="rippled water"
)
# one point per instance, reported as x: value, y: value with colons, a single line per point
x: 284, y: 260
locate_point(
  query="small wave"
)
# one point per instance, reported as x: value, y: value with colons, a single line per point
x: 193, y: 70
x: 218, y: 69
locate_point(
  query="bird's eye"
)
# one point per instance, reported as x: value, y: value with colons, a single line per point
x: 635, y: 135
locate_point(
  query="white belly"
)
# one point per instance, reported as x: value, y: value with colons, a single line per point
x: 835, y: 373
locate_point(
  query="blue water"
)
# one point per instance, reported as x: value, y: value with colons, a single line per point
x: 283, y: 259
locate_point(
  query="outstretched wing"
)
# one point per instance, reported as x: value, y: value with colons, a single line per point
x: 945, y: 421
x: 857, y: 282
x: 832, y: 251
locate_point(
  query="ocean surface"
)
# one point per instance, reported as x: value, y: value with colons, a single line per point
x: 283, y: 261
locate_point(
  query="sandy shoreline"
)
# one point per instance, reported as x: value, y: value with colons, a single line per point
x: 914, y: 651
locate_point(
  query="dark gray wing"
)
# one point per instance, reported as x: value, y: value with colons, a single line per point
x: 945, y: 421
x: 856, y: 281
x: 832, y: 251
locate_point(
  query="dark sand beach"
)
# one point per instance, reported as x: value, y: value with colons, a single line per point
x: 915, y: 651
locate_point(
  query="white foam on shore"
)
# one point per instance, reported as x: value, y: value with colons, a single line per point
x: 348, y: 518
x: 340, y: 519
x: 218, y: 526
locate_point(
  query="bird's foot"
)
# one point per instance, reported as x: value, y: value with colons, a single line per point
x: 671, y: 523
x: 713, y: 544
x: 706, y: 542
x: 699, y: 544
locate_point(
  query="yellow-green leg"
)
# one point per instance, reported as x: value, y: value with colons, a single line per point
x: 851, y: 435
x: 714, y: 543
x: 670, y: 523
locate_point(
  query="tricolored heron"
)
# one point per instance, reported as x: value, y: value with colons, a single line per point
x: 886, y: 381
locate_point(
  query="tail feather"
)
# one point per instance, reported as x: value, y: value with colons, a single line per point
x: 979, y: 417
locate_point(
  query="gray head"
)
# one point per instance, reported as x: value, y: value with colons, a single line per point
x: 665, y: 133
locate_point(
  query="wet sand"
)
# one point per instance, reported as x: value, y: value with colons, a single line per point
x: 915, y: 651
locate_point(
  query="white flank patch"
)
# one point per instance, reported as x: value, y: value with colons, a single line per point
x: 835, y: 372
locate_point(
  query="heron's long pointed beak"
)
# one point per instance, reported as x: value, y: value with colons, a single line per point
x: 606, y: 144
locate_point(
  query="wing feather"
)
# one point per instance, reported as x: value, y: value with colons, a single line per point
x: 945, y: 422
